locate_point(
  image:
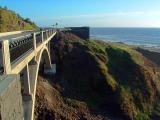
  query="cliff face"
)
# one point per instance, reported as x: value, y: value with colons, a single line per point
x: 10, y: 21
x: 111, y: 80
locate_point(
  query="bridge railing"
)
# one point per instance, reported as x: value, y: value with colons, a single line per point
x: 39, y: 38
x: 44, y: 35
x: 12, y: 50
x: 19, y: 47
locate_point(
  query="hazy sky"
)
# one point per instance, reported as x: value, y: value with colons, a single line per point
x: 94, y: 13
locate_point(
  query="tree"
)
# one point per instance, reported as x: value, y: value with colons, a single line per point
x: 19, y: 16
x: 28, y: 20
x: 5, y: 7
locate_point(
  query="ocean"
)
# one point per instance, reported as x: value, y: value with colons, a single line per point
x: 147, y: 37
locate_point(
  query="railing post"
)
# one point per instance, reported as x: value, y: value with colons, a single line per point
x: 46, y: 34
x: 34, y: 41
x: 42, y: 35
x: 50, y: 32
x: 6, y: 57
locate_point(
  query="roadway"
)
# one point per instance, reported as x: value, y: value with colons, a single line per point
x: 15, y: 36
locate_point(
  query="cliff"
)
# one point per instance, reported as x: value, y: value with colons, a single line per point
x: 98, y: 80
x: 10, y: 21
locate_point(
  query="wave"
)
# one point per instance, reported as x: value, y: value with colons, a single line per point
x: 140, y: 37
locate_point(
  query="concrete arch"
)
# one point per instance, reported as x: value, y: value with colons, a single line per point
x: 33, y: 73
x: 45, y: 53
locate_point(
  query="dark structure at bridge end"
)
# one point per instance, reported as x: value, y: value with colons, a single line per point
x: 82, y: 32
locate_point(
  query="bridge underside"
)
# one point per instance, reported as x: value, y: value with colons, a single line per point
x: 31, y: 80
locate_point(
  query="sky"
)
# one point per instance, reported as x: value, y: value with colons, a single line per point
x: 93, y: 13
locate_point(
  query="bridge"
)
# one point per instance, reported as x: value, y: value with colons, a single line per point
x: 20, y: 57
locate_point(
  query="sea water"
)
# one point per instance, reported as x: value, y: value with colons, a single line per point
x: 147, y: 37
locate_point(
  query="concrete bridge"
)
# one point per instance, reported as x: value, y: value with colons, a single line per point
x: 20, y: 59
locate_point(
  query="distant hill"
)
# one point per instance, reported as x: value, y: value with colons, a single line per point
x: 11, y: 21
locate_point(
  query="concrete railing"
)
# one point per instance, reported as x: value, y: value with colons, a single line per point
x: 13, y: 33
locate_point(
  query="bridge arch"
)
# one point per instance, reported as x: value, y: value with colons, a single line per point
x: 34, y: 67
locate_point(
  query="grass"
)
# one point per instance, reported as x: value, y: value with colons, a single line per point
x: 10, y: 21
x: 96, y: 70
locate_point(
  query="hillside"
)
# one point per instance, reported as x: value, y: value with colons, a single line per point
x: 97, y: 80
x: 10, y: 21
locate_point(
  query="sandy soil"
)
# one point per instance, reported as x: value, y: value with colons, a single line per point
x: 152, y: 54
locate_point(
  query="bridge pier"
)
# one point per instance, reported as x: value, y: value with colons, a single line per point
x: 26, y: 79
x: 29, y: 103
x: 10, y: 98
x: 50, y: 71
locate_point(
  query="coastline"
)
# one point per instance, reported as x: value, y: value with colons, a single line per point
x: 146, y: 47
x: 151, y: 49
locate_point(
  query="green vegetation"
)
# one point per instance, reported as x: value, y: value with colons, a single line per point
x: 10, y: 21
x: 114, y: 76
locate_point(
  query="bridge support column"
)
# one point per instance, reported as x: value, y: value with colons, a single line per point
x: 29, y: 104
x: 51, y: 71
x: 11, y: 107
x: 26, y: 78
x: 33, y: 77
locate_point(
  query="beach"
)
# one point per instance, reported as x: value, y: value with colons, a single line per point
x: 152, y: 54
